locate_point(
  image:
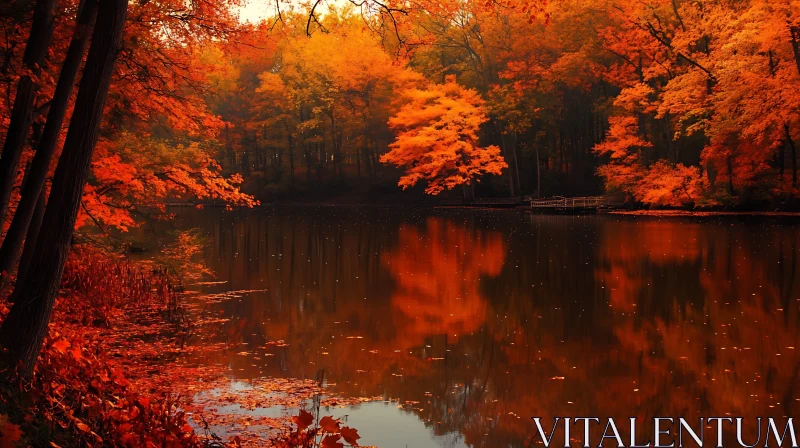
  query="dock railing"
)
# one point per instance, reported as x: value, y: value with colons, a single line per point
x: 560, y: 202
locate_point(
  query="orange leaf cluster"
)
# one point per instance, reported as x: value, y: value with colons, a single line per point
x: 438, y: 137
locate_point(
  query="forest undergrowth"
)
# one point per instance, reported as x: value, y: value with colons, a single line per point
x: 112, y: 372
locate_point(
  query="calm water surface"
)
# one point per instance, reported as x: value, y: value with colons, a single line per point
x: 468, y: 323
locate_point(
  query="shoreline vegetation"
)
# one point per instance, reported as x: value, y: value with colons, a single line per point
x: 114, y: 371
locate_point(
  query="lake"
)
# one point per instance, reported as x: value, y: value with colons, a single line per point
x: 467, y: 323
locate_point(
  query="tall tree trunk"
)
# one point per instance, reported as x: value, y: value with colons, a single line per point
x: 257, y: 153
x: 516, y: 163
x: 5, y: 275
x: 358, y: 163
x: 309, y: 163
x: 507, y: 157
x: 364, y: 151
x: 44, y: 14
x: 31, y: 238
x: 795, y: 33
x: 731, y: 188
x: 375, y: 160
x: 672, y: 148
x: 538, y: 174
x: 245, y: 158
x: 337, y: 150
x: 279, y: 164
x: 24, y: 329
x: 37, y: 174
x: 321, y: 159
x: 229, y: 146
x: 793, y: 151
x: 291, y: 156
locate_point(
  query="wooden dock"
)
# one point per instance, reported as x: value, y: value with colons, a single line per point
x: 579, y: 205
x: 552, y: 205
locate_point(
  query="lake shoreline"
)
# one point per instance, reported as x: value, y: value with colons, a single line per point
x: 700, y: 214
x: 434, y: 205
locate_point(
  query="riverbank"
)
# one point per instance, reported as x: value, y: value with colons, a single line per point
x: 117, y: 369
x: 505, y: 205
x: 79, y: 395
x: 701, y: 214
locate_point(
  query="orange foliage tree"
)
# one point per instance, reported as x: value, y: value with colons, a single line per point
x: 725, y: 75
x: 437, y: 139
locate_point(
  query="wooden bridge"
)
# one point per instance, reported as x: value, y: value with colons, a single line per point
x: 560, y: 204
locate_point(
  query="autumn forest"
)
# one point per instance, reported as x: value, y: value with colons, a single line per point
x: 147, y: 143
x: 671, y: 103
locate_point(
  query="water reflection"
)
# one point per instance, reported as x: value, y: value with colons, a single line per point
x: 476, y: 321
x: 437, y: 269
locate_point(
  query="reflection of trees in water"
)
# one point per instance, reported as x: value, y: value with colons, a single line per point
x: 679, y: 319
x: 722, y: 347
x: 437, y: 270
x: 638, y: 317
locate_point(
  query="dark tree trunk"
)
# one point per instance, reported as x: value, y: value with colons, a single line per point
x: 44, y: 14
x: 291, y: 156
x: 469, y: 192
x: 336, y: 139
x: 516, y: 164
x: 672, y: 148
x: 793, y: 152
x: 37, y: 174
x: 309, y: 163
x: 731, y: 188
x: 26, y: 325
x: 504, y: 148
x: 257, y: 152
x: 245, y: 159
x: 229, y: 146
x: 782, y: 159
x: 31, y: 238
x: 358, y: 164
x: 363, y: 152
x: 375, y: 160
x: 365, y: 155
x: 795, y: 32
x: 538, y: 174
x: 321, y: 159
x: 279, y: 164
